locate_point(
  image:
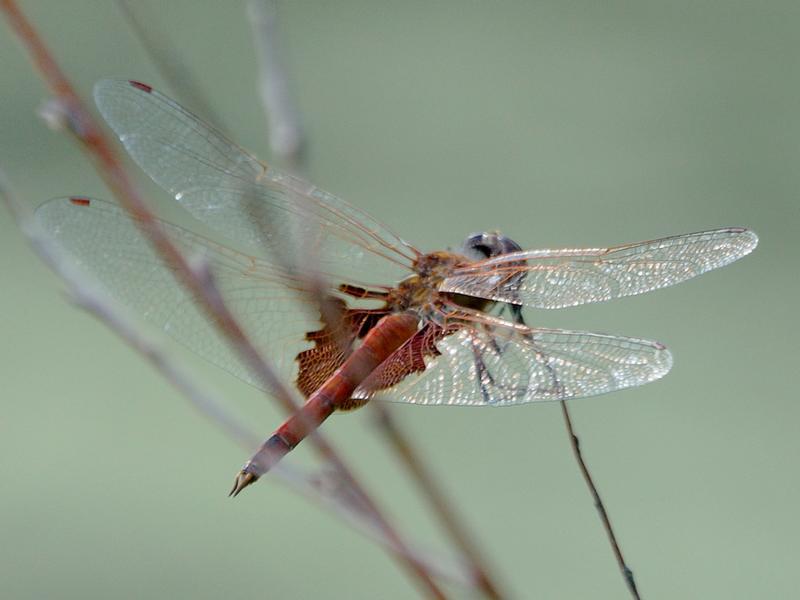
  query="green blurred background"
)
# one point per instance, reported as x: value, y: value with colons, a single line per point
x: 562, y: 124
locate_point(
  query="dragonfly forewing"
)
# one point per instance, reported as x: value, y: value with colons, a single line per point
x: 569, y: 277
x: 274, y: 214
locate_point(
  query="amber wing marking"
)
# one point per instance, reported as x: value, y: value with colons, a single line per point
x: 331, y: 347
x: 406, y: 360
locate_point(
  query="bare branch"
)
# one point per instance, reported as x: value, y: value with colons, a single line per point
x: 288, y: 141
x: 598, y: 502
x: 286, y: 136
x: 168, y: 61
x: 442, y: 507
x: 90, y: 295
x: 110, y: 168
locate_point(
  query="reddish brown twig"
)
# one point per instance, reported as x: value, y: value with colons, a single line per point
x: 88, y: 295
x: 444, y: 509
x: 202, y: 288
x: 404, y: 449
x: 288, y: 141
x: 598, y: 502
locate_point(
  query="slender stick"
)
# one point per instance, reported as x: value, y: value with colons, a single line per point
x: 286, y: 135
x: 444, y: 509
x: 288, y: 141
x: 598, y: 503
x: 88, y: 295
x: 202, y: 287
x: 168, y: 62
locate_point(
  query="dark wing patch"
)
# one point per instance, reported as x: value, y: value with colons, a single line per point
x: 332, y: 346
x: 406, y: 360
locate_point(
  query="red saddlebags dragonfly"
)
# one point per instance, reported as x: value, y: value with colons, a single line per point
x: 437, y: 328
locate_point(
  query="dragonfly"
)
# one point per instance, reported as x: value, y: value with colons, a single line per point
x: 429, y: 328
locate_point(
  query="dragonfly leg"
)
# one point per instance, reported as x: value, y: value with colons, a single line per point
x: 362, y: 293
x: 484, y: 375
x: 555, y: 388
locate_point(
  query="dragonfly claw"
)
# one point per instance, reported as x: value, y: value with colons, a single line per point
x: 243, y: 479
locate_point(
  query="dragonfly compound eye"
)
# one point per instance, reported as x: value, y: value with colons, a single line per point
x: 489, y: 244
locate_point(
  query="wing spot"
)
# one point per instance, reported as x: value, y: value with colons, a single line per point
x: 141, y: 86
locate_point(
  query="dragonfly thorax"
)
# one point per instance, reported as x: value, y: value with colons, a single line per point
x: 420, y: 291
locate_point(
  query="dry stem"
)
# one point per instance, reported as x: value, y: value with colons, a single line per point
x: 89, y: 295
x: 288, y: 141
x: 167, y: 61
x: 286, y: 135
x: 598, y: 502
x: 204, y: 292
x: 442, y: 507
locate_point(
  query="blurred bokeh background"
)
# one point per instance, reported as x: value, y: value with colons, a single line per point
x: 562, y: 124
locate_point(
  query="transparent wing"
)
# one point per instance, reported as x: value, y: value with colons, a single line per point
x: 497, y: 363
x: 105, y: 242
x: 234, y: 193
x: 568, y: 277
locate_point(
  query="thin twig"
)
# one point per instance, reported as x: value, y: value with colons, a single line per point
x: 444, y: 509
x: 286, y: 135
x: 598, y: 503
x: 288, y: 141
x: 168, y: 62
x: 90, y: 296
x: 204, y: 292
x: 332, y: 316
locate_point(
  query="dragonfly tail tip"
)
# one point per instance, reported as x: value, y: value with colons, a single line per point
x: 243, y: 479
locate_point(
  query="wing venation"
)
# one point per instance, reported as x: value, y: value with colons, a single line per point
x: 569, y: 277
x: 271, y: 213
x: 499, y: 363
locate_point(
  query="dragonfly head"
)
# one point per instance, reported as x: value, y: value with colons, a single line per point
x: 489, y: 244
